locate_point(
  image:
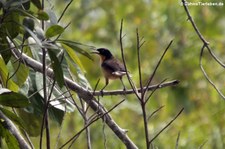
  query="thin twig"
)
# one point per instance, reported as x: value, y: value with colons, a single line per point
x: 139, y: 63
x: 177, y: 141
x: 104, y: 135
x: 67, y: 6
x: 124, y: 61
x: 193, y: 23
x: 146, y: 100
x: 206, y: 76
x: 154, y: 112
x: 161, y: 58
x: 166, y: 126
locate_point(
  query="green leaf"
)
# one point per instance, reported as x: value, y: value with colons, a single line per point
x: 4, y: 77
x: 73, y: 56
x: 75, y: 47
x: 13, y: 99
x: 9, y: 138
x: 37, y: 3
x: 58, y: 73
x: 13, y: 117
x: 4, y: 48
x: 42, y: 15
x: 9, y: 26
x: 54, y: 30
x: 22, y: 72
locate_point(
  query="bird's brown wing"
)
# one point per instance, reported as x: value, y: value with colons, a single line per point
x: 113, y: 65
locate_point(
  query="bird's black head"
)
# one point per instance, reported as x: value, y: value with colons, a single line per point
x: 104, y: 52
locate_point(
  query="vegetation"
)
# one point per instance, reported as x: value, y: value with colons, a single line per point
x: 50, y: 83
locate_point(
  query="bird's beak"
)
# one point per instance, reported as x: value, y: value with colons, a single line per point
x: 95, y: 52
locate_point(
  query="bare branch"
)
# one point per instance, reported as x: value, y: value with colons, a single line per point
x: 130, y: 91
x: 166, y: 126
x: 206, y: 76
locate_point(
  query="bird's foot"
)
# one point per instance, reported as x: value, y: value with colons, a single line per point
x: 101, y: 92
x: 124, y: 89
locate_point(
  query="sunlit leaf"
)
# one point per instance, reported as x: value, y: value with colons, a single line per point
x: 73, y: 56
x: 37, y: 3
x: 75, y: 47
x: 58, y: 73
x: 22, y: 72
x: 42, y: 15
x: 13, y: 117
x: 13, y: 99
x: 54, y: 30
x: 4, y: 77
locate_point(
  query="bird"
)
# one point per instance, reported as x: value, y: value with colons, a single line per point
x: 112, y: 68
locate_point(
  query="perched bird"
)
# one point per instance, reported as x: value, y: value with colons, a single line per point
x: 112, y: 67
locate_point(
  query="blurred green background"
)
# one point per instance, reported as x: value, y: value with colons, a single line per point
x: 97, y: 23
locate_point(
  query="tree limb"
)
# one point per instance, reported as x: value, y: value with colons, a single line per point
x: 130, y: 91
x: 14, y: 131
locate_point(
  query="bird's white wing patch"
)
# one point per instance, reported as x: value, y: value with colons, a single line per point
x: 120, y: 73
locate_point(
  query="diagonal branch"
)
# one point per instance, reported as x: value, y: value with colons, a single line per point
x: 14, y: 131
x: 86, y: 95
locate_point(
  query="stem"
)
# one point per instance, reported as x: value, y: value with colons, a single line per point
x: 145, y: 119
x: 45, y: 115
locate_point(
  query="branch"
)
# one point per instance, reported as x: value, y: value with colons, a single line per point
x: 86, y: 95
x: 131, y: 91
x: 14, y: 131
